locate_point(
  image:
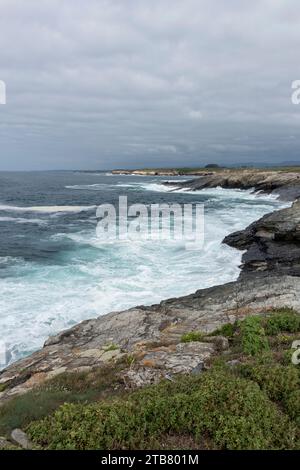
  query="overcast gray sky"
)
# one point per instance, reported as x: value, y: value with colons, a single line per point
x: 132, y: 83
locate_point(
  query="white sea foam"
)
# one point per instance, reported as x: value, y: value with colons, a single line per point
x: 215, y: 193
x: 218, y: 191
x: 96, y: 277
x: 156, y: 187
x: 21, y: 220
x: 6, y: 260
x: 89, y: 187
x: 46, y: 209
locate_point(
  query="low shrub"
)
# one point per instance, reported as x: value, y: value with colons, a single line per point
x: 292, y: 405
x: 233, y: 411
x: 77, y: 387
x: 227, y: 330
x: 253, y: 336
x: 276, y: 380
x: 111, y: 347
x: 280, y: 383
x: 285, y: 320
x: 252, y: 405
x: 192, y: 336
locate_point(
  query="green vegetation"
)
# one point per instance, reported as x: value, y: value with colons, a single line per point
x: 186, y: 171
x: 212, y: 165
x: 218, y: 168
x: 284, y: 320
x: 233, y: 411
x: 2, y: 387
x: 277, y: 381
x: 192, y: 336
x: 111, y: 347
x: 253, y: 336
x: 292, y: 169
x: 227, y: 330
x: 254, y: 404
x: 79, y: 387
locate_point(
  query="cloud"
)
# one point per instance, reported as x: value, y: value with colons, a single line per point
x: 108, y: 83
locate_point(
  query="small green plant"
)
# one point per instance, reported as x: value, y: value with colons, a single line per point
x: 285, y: 320
x: 111, y: 347
x: 227, y: 330
x: 253, y: 337
x: 292, y: 405
x: 277, y: 380
x: 130, y: 359
x: 3, y: 387
x: 192, y: 336
x: 284, y: 339
x: 281, y: 384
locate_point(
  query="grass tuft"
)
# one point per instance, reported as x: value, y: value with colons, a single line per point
x: 192, y: 336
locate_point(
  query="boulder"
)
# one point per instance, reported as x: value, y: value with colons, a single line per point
x: 20, y: 438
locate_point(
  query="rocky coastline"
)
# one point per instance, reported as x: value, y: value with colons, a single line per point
x: 284, y: 184
x: 148, y: 339
x: 162, y: 172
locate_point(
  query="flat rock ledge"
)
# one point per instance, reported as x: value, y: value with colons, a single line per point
x: 151, y: 335
x: 284, y: 184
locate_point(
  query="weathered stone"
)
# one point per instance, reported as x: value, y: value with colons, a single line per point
x: 136, y: 378
x: 198, y: 369
x: 109, y: 355
x: 4, y: 443
x: 91, y: 353
x: 234, y: 362
x: 221, y: 342
x: 21, y: 439
x: 181, y: 359
x: 55, y: 372
x: 272, y: 243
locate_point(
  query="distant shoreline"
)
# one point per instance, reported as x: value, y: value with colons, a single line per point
x: 205, y: 171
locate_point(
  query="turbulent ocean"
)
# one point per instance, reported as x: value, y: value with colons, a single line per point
x: 55, y: 272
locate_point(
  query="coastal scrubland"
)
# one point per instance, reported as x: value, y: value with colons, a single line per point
x: 248, y: 398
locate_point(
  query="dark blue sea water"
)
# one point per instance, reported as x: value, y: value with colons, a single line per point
x: 55, y: 272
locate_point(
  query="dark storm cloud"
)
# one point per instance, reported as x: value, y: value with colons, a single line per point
x: 101, y: 84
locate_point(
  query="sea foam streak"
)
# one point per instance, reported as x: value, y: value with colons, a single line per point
x: 46, y: 209
x: 89, y: 187
x: 217, y: 192
x: 21, y: 220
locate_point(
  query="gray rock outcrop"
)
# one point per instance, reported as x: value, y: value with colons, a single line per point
x: 284, y: 184
x: 151, y: 336
x: 272, y: 243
